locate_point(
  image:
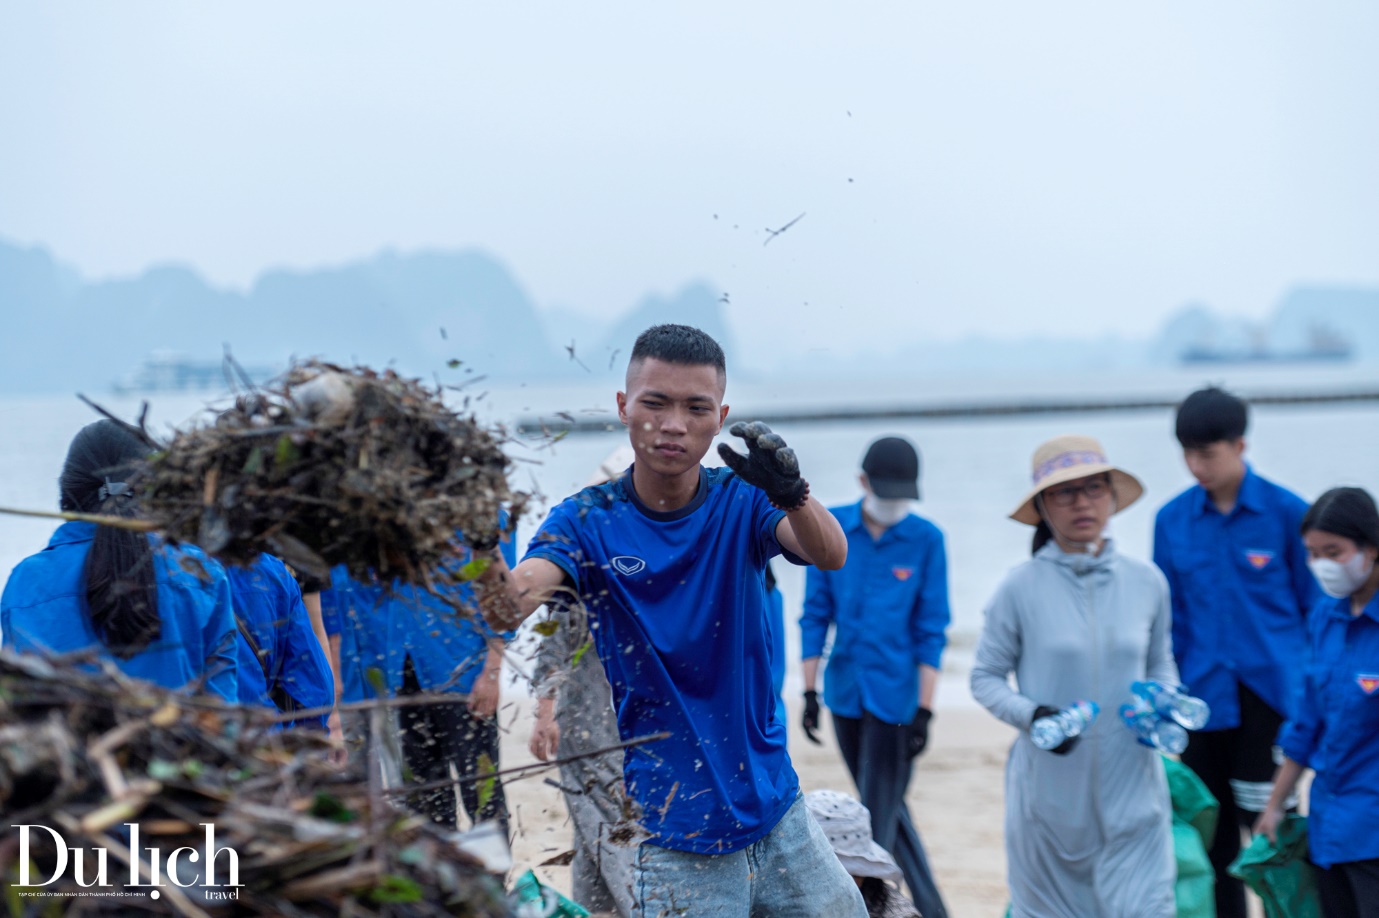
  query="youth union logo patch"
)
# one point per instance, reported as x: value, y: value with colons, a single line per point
x: 1368, y: 682
x: 628, y: 565
x: 903, y: 573
x: 1259, y: 559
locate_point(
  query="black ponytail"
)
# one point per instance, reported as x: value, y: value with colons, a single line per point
x: 121, y: 589
x: 1042, y: 536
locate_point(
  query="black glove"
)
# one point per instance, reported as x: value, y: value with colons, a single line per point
x: 919, y: 731
x: 769, y: 465
x: 810, y: 721
x: 1067, y: 745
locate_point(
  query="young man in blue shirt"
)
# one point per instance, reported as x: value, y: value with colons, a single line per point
x: 889, y: 609
x: 1232, y: 552
x: 669, y: 559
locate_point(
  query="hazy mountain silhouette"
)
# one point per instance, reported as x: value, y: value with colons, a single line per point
x: 64, y: 333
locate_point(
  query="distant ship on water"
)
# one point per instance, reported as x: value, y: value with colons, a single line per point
x: 1323, y: 346
x: 172, y: 371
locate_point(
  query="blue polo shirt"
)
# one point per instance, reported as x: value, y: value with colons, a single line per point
x: 43, y: 610
x: 447, y: 648
x: 1335, y: 731
x: 380, y: 628
x: 678, y: 611
x: 889, y: 608
x: 1241, y: 592
x: 269, y: 602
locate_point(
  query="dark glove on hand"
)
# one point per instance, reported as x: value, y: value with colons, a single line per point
x: 919, y: 731
x: 1067, y: 745
x: 810, y: 721
x: 769, y: 465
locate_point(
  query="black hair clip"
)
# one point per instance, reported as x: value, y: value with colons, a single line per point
x: 114, y: 489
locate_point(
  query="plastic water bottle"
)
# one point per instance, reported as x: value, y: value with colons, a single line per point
x: 1167, y: 736
x: 1050, y: 732
x: 1172, y: 702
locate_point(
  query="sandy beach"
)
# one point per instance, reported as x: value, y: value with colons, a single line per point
x: 956, y: 797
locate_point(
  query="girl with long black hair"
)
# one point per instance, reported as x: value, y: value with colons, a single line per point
x: 1335, y: 729
x: 160, y: 613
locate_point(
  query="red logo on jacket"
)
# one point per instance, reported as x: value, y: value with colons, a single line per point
x: 1368, y: 682
x: 903, y: 573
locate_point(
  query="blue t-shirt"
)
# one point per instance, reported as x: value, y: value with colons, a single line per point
x: 269, y: 602
x: 678, y: 611
x: 1241, y: 592
x: 354, y: 613
x: 1335, y: 730
x: 889, y: 608
x: 44, y: 610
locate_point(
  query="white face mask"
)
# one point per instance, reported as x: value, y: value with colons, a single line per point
x: 1341, y: 579
x: 885, y: 511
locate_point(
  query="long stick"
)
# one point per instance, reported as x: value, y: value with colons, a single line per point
x: 102, y: 519
x: 523, y: 769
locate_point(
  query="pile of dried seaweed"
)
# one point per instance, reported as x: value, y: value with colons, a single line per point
x: 84, y: 754
x: 331, y: 466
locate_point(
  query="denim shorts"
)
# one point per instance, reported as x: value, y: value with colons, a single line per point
x: 791, y: 873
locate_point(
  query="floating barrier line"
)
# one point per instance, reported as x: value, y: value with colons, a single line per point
x: 596, y: 425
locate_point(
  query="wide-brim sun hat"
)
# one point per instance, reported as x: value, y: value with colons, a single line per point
x: 1068, y: 458
x: 847, y: 825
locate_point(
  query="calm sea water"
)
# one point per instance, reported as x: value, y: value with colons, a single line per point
x: 973, y: 473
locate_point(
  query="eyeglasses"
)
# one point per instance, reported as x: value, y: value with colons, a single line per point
x: 1066, y: 496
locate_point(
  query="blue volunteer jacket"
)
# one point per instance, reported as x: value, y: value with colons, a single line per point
x: 889, y: 608
x: 1335, y: 731
x: 269, y: 603
x: 379, y: 629
x: 1241, y: 592
x: 43, y: 610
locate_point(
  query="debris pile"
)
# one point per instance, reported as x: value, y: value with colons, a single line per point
x: 86, y: 754
x: 328, y: 466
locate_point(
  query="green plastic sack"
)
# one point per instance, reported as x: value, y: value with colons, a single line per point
x: 1195, y: 811
x: 532, y: 899
x: 1280, y: 874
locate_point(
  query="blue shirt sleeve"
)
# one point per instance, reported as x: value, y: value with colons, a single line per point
x: 819, y: 609
x: 1302, y: 732
x: 1164, y: 559
x: 1305, y: 586
x: 557, y: 541
x: 929, y: 623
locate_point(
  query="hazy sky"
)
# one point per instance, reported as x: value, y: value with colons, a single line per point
x: 965, y: 167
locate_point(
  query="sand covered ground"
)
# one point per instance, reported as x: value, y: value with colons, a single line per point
x: 955, y: 796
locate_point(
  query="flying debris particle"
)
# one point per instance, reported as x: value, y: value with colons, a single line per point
x: 570, y: 349
x: 614, y: 356
x: 774, y: 233
x: 444, y: 336
x: 453, y: 364
x: 724, y: 298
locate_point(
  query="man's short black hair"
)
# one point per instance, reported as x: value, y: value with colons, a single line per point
x: 1209, y: 416
x: 680, y: 344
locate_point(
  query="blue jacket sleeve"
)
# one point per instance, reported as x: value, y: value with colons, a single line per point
x: 818, y: 612
x: 1164, y: 559
x: 1302, y: 732
x: 929, y: 623
x: 220, y: 638
x: 1305, y: 586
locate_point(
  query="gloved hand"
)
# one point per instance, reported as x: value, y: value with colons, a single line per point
x: 919, y: 731
x: 1067, y: 745
x: 810, y: 721
x: 769, y: 465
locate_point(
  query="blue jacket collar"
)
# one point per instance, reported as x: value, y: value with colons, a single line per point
x: 1249, y: 497
x: 69, y: 533
x: 850, y: 518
